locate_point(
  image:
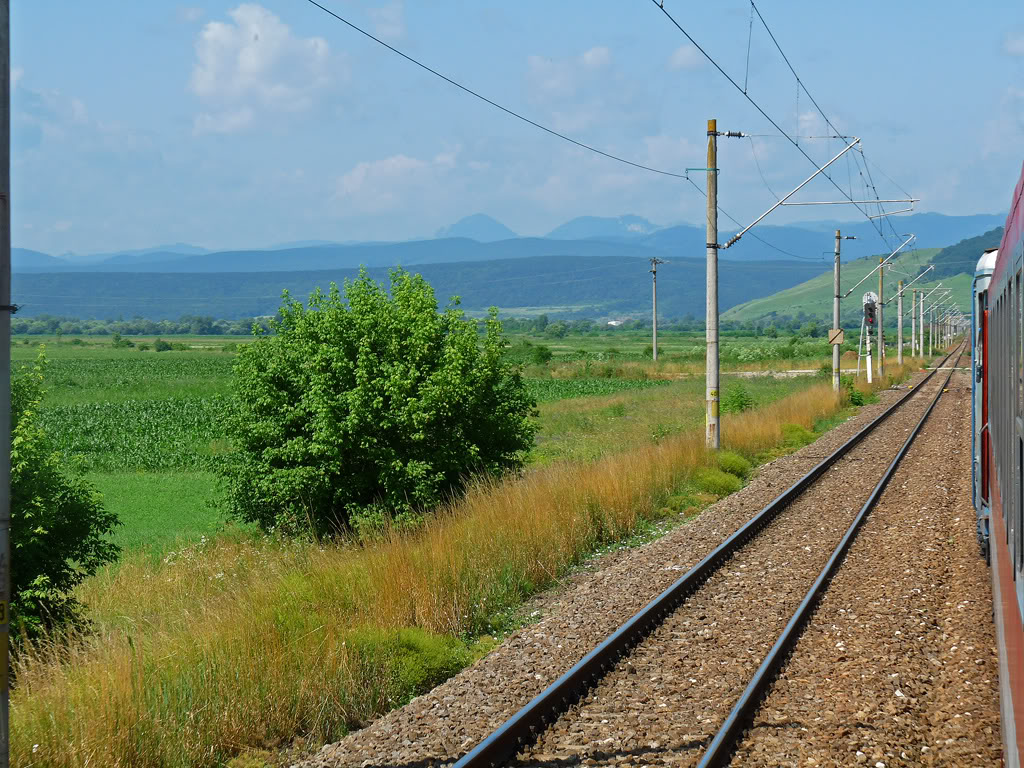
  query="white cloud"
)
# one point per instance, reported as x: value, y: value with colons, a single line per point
x: 389, y: 21
x: 1014, y: 44
x: 598, y: 57
x: 254, y: 64
x: 685, y: 57
x: 393, y: 182
x: 810, y: 124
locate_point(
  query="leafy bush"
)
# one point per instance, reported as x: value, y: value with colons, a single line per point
x: 162, y: 346
x: 368, y: 408
x: 854, y: 395
x: 119, y: 342
x: 795, y: 436
x: 59, y: 527
x: 410, y: 662
x: 714, y: 480
x: 737, y: 398
x: 734, y: 464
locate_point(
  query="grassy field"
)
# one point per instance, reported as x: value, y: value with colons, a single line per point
x: 284, y: 642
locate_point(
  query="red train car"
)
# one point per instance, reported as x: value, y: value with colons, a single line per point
x: 998, y: 341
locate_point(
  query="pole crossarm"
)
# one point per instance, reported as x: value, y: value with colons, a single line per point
x: 891, y: 213
x: 741, y: 233
x: 854, y: 202
x: 881, y: 264
x: 933, y: 290
x: 929, y: 269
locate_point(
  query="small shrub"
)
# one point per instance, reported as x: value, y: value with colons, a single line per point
x: 734, y: 464
x: 540, y: 354
x: 737, y: 398
x: 77, y: 342
x: 143, y: 347
x: 794, y: 436
x: 854, y: 395
x: 162, y: 346
x: 714, y: 480
x: 59, y: 528
x: 179, y: 346
x: 119, y: 342
x: 410, y: 661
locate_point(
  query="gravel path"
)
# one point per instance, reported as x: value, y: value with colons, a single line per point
x: 898, y: 666
x: 442, y: 725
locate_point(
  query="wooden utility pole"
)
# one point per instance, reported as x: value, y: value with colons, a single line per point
x: 881, y: 333
x: 712, y: 432
x: 654, y: 303
x: 899, y: 322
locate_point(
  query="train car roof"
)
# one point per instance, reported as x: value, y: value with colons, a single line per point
x: 986, y: 263
x: 1013, y: 232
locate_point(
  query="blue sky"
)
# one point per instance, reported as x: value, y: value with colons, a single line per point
x: 234, y: 125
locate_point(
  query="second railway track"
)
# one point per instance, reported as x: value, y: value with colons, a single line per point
x: 662, y: 686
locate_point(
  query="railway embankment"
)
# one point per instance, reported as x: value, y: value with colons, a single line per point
x: 654, y: 723
x: 898, y: 666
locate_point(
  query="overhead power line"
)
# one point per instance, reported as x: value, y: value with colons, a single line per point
x: 534, y: 123
x: 495, y: 104
x: 760, y: 109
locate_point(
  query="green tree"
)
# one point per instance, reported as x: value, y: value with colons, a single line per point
x: 368, y: 407
x: 59, y: 528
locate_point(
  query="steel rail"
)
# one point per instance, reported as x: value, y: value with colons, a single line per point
x: 725, y: 741
x: 525, y: 725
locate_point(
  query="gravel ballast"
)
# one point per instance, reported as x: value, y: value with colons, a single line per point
x: 898, y: 666
x: 664, y: 701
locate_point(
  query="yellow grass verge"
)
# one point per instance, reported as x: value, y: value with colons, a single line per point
x: 243, y: 644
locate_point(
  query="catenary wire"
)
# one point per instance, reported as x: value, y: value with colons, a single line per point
x: 494, y: 104
x: 536, y: 124
x: 800, y: 84
x: 764, y: 114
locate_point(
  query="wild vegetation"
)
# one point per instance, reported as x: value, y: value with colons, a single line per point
x: 275, y: 639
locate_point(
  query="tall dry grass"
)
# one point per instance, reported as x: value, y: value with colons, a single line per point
x: 240, y: 644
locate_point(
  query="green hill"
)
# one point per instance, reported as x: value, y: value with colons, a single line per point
x: 813, y: 298
x: 584, y: 286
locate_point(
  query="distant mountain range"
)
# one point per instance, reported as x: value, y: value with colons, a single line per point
x: 589, y: 266
x: 482, y: 238
x: 479, y: 227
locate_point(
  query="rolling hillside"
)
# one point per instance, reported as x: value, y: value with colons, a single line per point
x: 591, y: 286
x: 813, y: 298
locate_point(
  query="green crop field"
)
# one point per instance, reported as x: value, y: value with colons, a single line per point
x: 145, y: 426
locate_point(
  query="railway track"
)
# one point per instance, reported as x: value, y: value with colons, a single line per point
x: 680, y: 679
